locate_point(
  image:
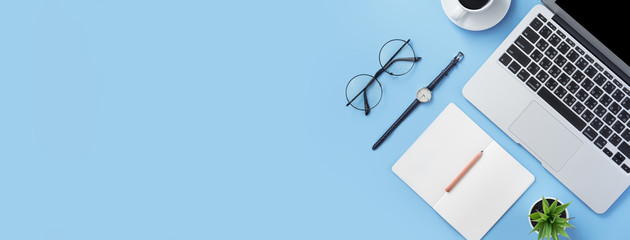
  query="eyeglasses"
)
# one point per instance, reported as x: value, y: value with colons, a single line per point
x: 396, y: 58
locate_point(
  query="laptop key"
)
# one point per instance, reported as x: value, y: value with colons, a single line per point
x: 608, y: 75
x: 522, y: 43
x: 590, y: 71
x: 564, y: 48
x: 581, y: 63
x: 590, y: 103
x: 625, y: 103
x: 618, y: 95
x: 609, y: 87
x: 523, y: 75
x: 599, y: 79
x: 605, y: 100
x: 596, y: 124
x: 562, y: 109
x: 518, y: 55
x: 618, y: 127
x: 618, y: 158
x: 578, y: 76
x: 600, y: 111
x: 542, y: 44
x: 597, y: 92
x: 607, y: 152
x: 589, y: 58
x: 625, y: 168
x: 560, y: 92
x: 536, y: 55
x: 551, y: 84
x: 590, y: 133
x: 564, y: 79
x: 569, y: 68
x: 533, y: 84
x: 542, y: 76
x: 568, y: 99
x: 545, y: 63
x: 573, y: 87
x: 554, y: 40
x: 614, y: 108
x: 624, y: 148
x: 505, y: 59
x: 514, y: 67
x: 587, y: 84
x: 609, y: 119
x: 626, y: 135
x: 536, y: 24
x: 531, y: 35
x: 623, y: 116
x: 555, y: 71
x: 545, y: 32
x: 605, y: 131
x: 587, y: 115
x: 600, y: 142
x: 579, y: 50
x: 573, y: 55
x: 615, y: 139
x: 578, y: 108
x: 551, y: 53
x: 560, y: 60
x: 533, y: 68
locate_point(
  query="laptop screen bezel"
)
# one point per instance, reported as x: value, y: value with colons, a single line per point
x: 623, y: 70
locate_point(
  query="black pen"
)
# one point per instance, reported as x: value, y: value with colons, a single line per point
x: 423, y: 95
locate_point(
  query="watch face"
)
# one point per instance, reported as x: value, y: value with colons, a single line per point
x: 424, y: 95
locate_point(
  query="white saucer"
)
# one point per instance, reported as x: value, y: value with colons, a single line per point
x: 478, y: 21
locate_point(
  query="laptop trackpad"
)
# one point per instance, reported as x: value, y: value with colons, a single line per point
x: 545, y: 136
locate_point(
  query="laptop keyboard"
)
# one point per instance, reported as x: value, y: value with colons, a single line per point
x: 569, y: 79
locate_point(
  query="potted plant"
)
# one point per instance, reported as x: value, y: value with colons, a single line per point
x: 549, y: 218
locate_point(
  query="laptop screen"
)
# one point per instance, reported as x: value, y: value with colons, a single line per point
x: 606, y: 20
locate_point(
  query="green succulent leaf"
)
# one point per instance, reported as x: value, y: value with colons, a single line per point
x: 561, y: 220
x: 561, y: 208
x: 554, y: 233
x: 545, y: 205
x: 544, y: 217
x: 536, y: 228
x: 553, y: 206
x: 561, y: 231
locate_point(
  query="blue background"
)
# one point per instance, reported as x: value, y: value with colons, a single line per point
x: 226, y: 120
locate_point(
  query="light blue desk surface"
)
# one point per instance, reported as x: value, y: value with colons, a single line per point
x: 226, y: 120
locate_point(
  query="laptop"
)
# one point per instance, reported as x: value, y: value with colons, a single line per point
x: 559, y: 86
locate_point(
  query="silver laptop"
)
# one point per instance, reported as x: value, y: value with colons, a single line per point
x: 559, y: 86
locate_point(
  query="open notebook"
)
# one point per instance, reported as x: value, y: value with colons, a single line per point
x: 487, y: 190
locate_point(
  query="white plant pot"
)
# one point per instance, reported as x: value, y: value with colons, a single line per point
x: 532, y: 207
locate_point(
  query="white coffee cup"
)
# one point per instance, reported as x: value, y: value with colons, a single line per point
x: 464, y: 7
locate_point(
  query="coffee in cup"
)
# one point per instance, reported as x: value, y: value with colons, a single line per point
x: 469, y: 6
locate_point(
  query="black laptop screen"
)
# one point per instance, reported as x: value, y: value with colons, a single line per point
x: 607, y: 20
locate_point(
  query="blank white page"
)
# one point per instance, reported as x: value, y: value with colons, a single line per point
x: 485, y: 193
x: 440, y: 153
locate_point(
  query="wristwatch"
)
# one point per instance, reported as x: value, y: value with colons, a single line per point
x: 423, y: 95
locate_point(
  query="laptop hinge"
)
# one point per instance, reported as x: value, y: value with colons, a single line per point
x: 591, y: 49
